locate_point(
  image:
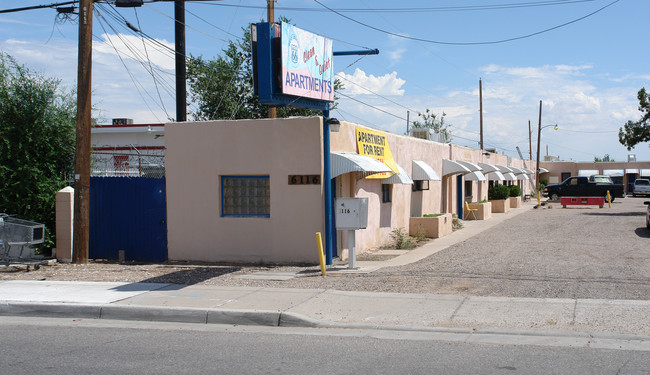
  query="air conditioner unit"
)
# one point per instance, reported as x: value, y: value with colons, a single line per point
x: 422, y: 133
x: 492, y: 150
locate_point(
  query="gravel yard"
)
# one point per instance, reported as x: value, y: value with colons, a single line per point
x: 577, y: 252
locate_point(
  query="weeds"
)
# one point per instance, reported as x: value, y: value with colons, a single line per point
x: 402, y: 239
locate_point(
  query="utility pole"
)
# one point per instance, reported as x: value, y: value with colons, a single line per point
x: 408, y: 113
x: 480, y: 101
x: 270, y: 16
x: 181, y: 90
x: 82, y: 147
x: 530, y: 142
x: 539, y: 133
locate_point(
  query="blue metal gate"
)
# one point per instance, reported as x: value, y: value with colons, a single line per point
x: 128, y: 214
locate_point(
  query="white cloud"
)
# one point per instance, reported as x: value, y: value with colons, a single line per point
x: 585, y: 106
x: 114, y: 93
x: 137, y: 49
x: 359, y: 83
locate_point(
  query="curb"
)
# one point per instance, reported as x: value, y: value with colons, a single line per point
x: 601, y: 340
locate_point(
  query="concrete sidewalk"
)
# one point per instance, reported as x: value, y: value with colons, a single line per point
x: 622, y: 323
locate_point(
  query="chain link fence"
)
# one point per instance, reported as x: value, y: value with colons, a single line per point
x: 128, y: 163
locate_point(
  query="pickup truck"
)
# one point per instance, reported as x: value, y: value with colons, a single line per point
x: 594, y: 186
x: 641, y: 187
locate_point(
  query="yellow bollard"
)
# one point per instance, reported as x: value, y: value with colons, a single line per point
x: 539, y: 198
x: 609, y: 199
x: 321, y: 256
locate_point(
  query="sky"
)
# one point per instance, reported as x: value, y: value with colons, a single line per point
x: 584, y: 60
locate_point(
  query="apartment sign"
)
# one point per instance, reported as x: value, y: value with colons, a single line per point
x: 307, y: 68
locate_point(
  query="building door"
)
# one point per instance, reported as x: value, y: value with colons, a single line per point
x: 565, y: 175
x: 631, y: 177
x: 459, y: 195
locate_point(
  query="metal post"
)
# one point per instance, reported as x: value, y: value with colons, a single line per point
x: 327, y: 190
x: 352, y: 251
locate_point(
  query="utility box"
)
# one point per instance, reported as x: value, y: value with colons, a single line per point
x: 351, y: 213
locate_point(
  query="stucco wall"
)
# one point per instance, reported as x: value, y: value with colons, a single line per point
x: 383, y: 218
x: 198, y: 153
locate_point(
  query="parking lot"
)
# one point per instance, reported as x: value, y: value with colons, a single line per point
x: 555, y: 252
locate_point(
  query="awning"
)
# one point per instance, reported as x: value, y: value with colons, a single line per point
x: 587, y: 172
x: 528, y: 171
x: 645, y: 173
x: 614, y: 172
x: 474, y: 176
x: 517, y: 171
x: 503, y: 169
x: 495, y: 176
x: 488, y: 167
x: 471, y: 166
x: 631, y: 171
x: 451, y: 167
x: 423, y: 171
x: 510, y: 176
x: 398, y: 178
x: 522, y: 177
x: 344, y: 162
x: 544, y: 170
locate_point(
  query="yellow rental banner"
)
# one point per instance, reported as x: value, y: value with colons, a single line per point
x: 374, y: 144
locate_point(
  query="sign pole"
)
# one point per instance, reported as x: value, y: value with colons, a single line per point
x: 327, y: 190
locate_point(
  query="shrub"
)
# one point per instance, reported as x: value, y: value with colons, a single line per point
x: 498, y: 192
x: 402, y: 239
x: 515, y: 191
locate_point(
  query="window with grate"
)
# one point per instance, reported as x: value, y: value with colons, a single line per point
x: 245, y: 196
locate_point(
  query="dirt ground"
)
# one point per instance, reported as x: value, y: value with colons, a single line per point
x: 575, y: 252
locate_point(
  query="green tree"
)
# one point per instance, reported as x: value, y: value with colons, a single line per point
x: 606, y: 157
x: 430, y: 120
x: 37, y: 141
x: 635, y: 132
x: 223, y: 88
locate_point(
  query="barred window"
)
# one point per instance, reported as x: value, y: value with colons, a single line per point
x: 244, y: 196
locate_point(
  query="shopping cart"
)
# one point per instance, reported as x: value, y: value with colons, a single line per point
x: 15, y: 236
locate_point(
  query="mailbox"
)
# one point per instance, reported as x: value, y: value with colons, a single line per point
x: 351, y: 213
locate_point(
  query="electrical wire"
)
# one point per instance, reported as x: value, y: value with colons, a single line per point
x: 144, y: 45
x: 419, y: 9
x: 465, y: 43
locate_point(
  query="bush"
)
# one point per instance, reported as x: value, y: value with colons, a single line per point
x: 515, y: 191
x: 498, y: 192
x: 402, y: 239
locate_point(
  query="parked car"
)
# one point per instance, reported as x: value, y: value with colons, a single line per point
x: 647, y: 214
x: 594, y: 186
x: 641, y: 187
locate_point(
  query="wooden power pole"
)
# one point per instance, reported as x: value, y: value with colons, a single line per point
x: 530, y: 142
x: 480, y: 101
x: 179, y: 32
x: 82, y: 148
x: 270, y: 15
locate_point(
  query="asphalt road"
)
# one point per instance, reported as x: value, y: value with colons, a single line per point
x: 55, y: 346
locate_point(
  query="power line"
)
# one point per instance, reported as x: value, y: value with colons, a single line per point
x: 419, y: 9
x: 464, y: 43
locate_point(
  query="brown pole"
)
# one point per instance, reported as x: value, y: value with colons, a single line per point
x: 530, y: 142
x: 480, y: 101
x: 270, y: 15
x: 82, y: 148
x: 539, y: 133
